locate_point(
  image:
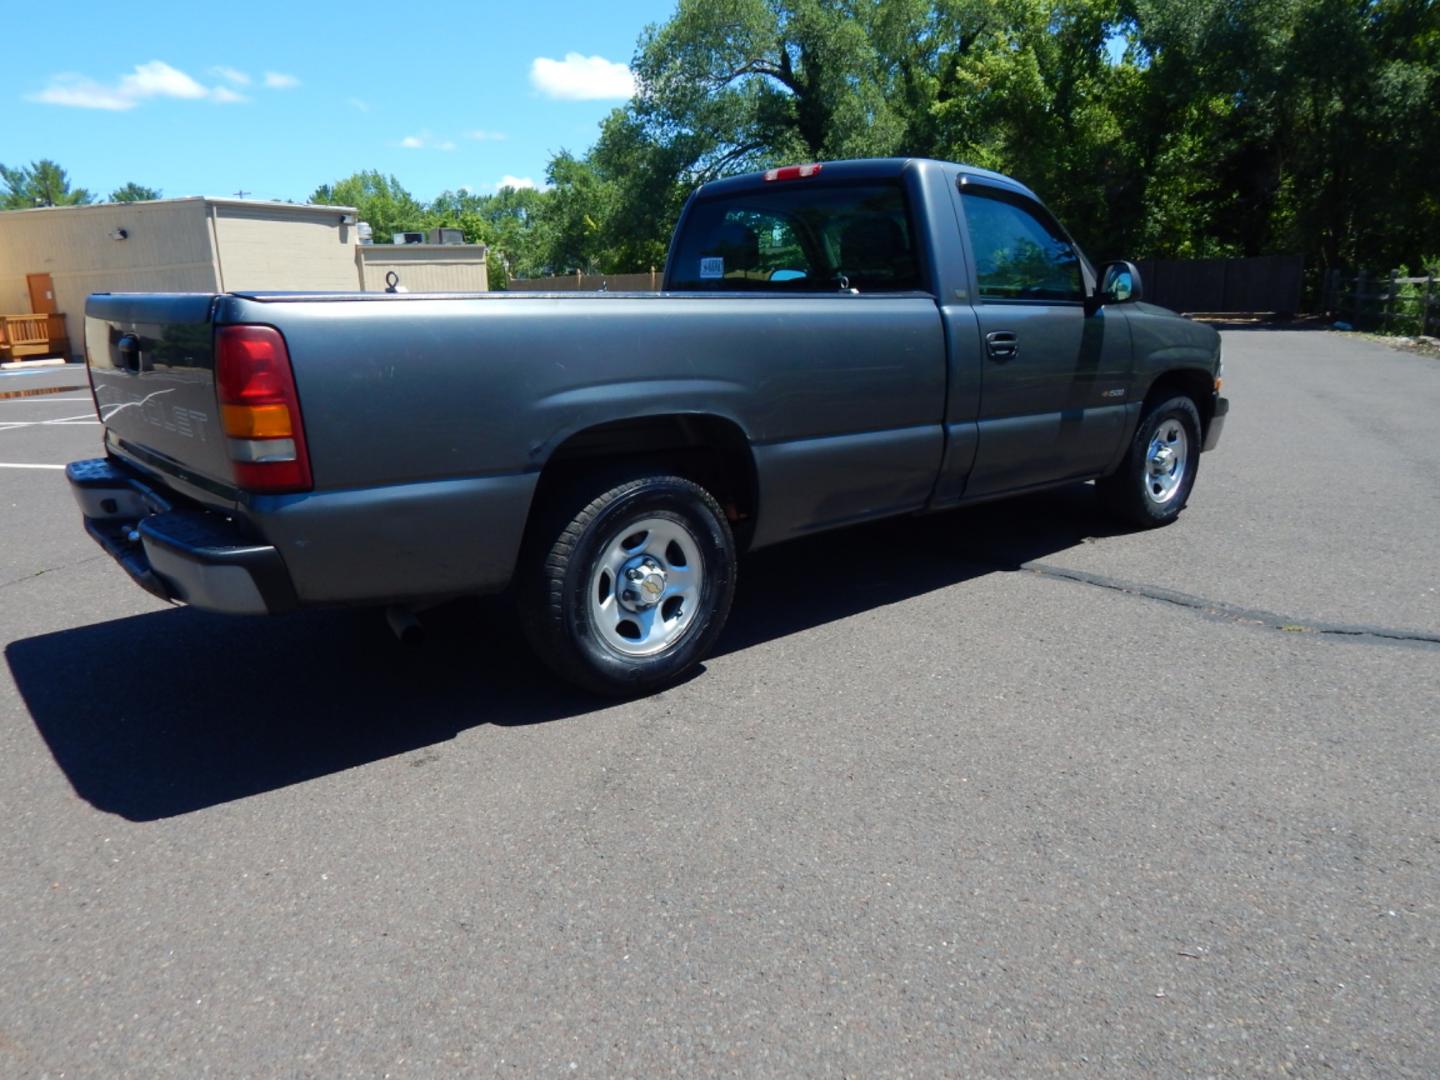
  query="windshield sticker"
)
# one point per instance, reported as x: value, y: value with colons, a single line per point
x: 712, y: 266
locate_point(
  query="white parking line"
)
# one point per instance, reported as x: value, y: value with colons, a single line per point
x: 13, y: 465
x: 63, y: 421
x: 39, y: 400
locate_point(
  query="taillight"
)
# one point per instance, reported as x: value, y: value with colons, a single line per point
x: 793, y: 172
x: 260, y: 410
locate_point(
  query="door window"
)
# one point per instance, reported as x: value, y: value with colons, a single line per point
x: 1019, y: 254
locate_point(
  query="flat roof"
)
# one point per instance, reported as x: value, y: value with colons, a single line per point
x: 213, y: 200
x: 431, y: 248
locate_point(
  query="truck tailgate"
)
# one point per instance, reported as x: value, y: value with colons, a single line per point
x: 152, y: 364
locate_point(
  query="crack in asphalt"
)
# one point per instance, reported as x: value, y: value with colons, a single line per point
x: 50, y: 570
x: 1216, y: 609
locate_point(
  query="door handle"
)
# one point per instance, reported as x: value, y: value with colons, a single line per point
x: 1001, y: 345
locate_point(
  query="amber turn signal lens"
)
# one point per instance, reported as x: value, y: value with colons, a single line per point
x: 257, y: 421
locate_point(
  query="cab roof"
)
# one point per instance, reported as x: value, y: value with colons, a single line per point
x: 864, y: 169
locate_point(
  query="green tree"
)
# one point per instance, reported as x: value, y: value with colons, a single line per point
x: 133, y: 192
x: 380, y: 200
x: 41, y: 183
x: 1026, y: 87
x: 572, y: 221
x: 1304, y: 125
x: 731, y: 85
x: 1152, y: 127
x: 642, y: 186
x: 740, y: 83
x: 508, y: 221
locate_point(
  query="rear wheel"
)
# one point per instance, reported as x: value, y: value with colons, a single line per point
x: 1154, y: 481
x: 629, y: 583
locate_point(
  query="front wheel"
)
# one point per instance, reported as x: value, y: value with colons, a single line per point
x: 1154, y: 481
x: 628, y: 586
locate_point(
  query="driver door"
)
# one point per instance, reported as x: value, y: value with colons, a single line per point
x: 1055, y: 375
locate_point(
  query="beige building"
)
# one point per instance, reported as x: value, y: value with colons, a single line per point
x: 204, y: 244
x: 424, y: 267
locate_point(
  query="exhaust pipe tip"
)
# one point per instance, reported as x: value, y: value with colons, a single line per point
x: 404, y: 625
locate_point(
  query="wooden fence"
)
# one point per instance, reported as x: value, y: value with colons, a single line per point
x: 1264, y: 283
x: 591, y: 283
x: 1385, y: 302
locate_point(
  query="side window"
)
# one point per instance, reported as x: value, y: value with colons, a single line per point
x: 1018, y: 254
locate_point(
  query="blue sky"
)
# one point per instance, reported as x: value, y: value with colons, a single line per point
x: 275, y: 99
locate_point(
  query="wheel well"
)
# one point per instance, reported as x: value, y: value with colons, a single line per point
x: 1198, y: 386
x: 710, y: 450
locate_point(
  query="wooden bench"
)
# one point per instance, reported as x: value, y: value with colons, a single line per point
x: 32, y: 335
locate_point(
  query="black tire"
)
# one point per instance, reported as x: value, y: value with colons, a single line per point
x: 1146, y: 495
x: 564, y: 551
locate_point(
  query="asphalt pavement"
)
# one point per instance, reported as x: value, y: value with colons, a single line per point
x: 1003, y: 792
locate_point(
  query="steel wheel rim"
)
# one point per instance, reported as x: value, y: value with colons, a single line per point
x: 646, y: 614
x: 1167, y: 460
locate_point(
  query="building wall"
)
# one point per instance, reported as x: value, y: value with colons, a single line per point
x: 167, y: 249
x: 424, y: 267
x: 299, y: 248
x: 210, y: 245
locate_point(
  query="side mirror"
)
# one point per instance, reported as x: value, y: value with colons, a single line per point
x: 1119, y: 283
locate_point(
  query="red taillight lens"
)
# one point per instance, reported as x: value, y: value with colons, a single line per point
x: 260, y: 410
x: 793, y: 172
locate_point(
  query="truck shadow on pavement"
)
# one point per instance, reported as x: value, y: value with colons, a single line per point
x: 174, y: 711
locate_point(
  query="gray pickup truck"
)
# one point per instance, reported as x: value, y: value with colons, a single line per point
x: 834, y: 343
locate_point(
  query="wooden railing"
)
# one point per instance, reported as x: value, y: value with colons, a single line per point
x: 641, y: 282
x: 1386, y: 302
x: 32, y: 335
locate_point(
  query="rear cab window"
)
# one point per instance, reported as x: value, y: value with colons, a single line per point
x: 800, y: 237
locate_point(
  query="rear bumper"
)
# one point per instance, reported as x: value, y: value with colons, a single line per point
x: 178, y: 553
x: 1217, y: 423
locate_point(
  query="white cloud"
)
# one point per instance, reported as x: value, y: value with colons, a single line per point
x: 159, y: 79
x: 233, y: 75
x: 358, y: 103
x: 516, y: 182
x: 426, y: 141
x: 277, y: 80
x: 581, y: 78
x: 81, y: 93
x: 487, y: 136
x: 155, y: 79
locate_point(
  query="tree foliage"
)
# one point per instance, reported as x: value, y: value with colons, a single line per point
x: 1313, y: 124
x: 41, y: 183
x: 516, y: 223
x: 509, y: 222
x: 133, y: 192
x: 381, y: 201
x: 1152, y: 127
